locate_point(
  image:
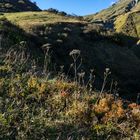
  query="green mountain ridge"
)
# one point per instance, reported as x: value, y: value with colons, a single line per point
x: 122, y: 16
x: 17, y: 6
x: 114, y: 11
x: 129, y: 23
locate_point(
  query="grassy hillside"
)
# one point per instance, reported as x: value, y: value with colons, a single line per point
x: 99, y: 47
x: 17, y: 6
x: 129, y: 23
x: 36, y: 19
x: 122, y: 16
x: 109, y: 14
x: 62, y: 77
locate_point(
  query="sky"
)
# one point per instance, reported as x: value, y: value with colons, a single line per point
x: 78, y: 7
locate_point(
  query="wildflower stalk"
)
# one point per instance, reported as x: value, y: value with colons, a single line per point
x: 46, y: 61
x: 106, y: 74
x: 75, y: 54
x: 91, y: 80
x: 111, y: 86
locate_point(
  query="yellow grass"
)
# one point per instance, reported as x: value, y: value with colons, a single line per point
x: 27, y: 20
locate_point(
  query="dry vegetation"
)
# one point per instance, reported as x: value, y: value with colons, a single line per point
x: 33, y: 106
x: 38, y: 103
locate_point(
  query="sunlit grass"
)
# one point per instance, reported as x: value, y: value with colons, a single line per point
x: 29, y: 19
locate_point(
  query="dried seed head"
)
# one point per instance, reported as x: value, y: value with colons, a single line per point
x: 62, y: 67
x: 107, y: 69
x: 81, y: 74
x: 75, y: 52
x: 92, y: 70
x: 71, y: 65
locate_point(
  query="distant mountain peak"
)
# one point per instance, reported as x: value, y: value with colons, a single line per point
x: 17, y: 6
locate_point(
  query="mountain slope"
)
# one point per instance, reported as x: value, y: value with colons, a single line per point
x: 37, y: 19
x: 99, y: 49
x: 129, y: 23
x: 99, y: 46
x: 109, y: 14
x: 17, y: 6
x: 123, y: 16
